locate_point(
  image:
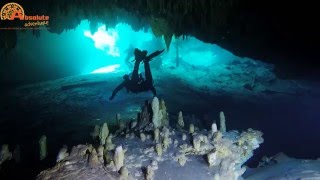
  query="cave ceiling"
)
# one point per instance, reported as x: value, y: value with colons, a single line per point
x: 282, y: 33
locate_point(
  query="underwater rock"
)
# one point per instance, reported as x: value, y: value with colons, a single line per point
x: 180, y: 121
x: 118, y: 158
x: 156, y: 135
x: 165, y: 132
x: 90, y: 148
x: 75, y: 166
x: 148, y: 150
x: 112, y: 166
x: 16, y: 154
x: 109, y: 145
x: 184, y: 137
x: 214, y: 128
x: 280, y: 166
x: 96, y: 132
x: 149, y: 173
x: 251, y: 138
x: 223, y: 128
x: 226, y: 153
x: 107, y: 156
x: 132, y: 136
x: 185, y: 148
x: 93, y: 159
x: 197, y: 140
x: 175, y: 143
x: 154, y: 165
x: 100, y: 153
x: 227, y: 170
x: 142, y: 137
x: 5, y: 153
x: 166, y: 143
x: 217, y: 136
x: 124, y: 173
x: 212, y: 158
x: 80, y: 150
x: 144, y: 117
x: 63, y: 153
x: 163, y: 111
x: 157, y: 116
x: 182, y: 159
x: 159, y: 149
x: 133, y: 124
x: 191, y: 128
x: 43, y: 147
x: 248, y: 141
x: 104, y: 132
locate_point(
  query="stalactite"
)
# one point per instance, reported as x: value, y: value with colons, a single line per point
x: 150, y: 6
x: 36, y: 32
x: 93, y: 26
x: 8, y: 41
x: 173, y: 16
x: 177, y: 52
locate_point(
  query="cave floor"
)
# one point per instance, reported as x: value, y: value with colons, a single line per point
x: 67, y: 109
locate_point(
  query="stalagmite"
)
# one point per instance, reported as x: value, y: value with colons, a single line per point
x: 149, y: 173
x: 222, y: 122
x: 100, y: 153
x: 118, y: 158
x: 191, y: 129
x: 93, y: 159
x: 142, y: 137
x: 159, y: 149
x: 121, y: 123
x: 157, y: 116
x: 163, y: 110
x: 213, y: 128
x: 184, y: 137
x: 104, y: 132
x: 62, y: 153
x: 156, y: 135
x: 5, y: 154
x: 43, y: 147
x: 95, y: 133
x: 124, y: 173
x: 180, y: 120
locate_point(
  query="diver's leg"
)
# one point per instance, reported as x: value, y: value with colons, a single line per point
x: 135, y: 75
x: 153, y: 91
x: 148, y: 74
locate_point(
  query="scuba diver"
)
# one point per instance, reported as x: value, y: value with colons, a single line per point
x: 137, y: 84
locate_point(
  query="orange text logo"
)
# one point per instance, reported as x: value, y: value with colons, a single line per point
x: 14, y: 11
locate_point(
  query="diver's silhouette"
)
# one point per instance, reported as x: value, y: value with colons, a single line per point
x: 137, y: 84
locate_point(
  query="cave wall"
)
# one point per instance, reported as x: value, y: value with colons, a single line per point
x: 49, y: 56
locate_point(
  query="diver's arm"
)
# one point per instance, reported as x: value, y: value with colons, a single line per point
x: 116, y: 90
x: 154, y: 54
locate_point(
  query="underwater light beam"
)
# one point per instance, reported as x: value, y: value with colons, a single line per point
x: 104, y: 39
x: 107, y: 69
